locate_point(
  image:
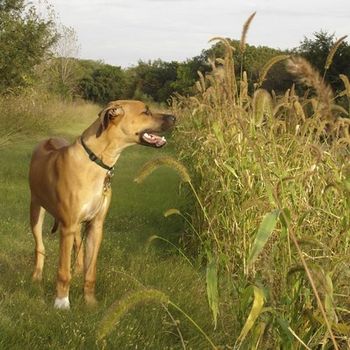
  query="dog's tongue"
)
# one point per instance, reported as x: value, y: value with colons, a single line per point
x: 158, y: 141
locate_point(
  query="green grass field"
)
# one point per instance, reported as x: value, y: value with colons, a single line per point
x: 27, y: 317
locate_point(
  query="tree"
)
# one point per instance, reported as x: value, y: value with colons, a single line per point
x: 187, y: 74
x: 252, y: 61
x: 25, y: 41
x: 63, y: 68
x: 105, y: 83
x: 153, y: 79
x: 316, y: 50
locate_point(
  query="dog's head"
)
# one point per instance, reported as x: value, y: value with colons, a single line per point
x: 135, y: 123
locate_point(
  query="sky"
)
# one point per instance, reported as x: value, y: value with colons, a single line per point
x: 122, y: 32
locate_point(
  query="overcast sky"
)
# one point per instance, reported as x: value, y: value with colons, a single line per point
x: 121, y: 32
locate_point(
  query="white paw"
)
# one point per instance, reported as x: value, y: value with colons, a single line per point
x: 62, y: 303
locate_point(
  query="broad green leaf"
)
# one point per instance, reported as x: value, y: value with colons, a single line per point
x: 212, y: 286
x: 255, y: 312
x: 264, y: 232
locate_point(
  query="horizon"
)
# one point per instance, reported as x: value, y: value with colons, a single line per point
x: 121, y: 33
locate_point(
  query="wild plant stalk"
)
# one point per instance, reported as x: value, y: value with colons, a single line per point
x: 313, y: 285
x: 211, y: 276
x: 121, y: 307
x: 331, y: 54
x: 246, y: 25
x: 268, y: 65
x: 299, y: 340
x: 300, y: 253
x: 195, y: 324
x: 154, y: 237
x: 242, y: 43
x: 309, y: 76
x: 243, y: 156
x: 175, y: 322
x: 149, y: 167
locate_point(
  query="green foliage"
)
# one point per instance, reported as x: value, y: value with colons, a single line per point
x: 25, y: 41
x: 154, y: 79
x: 264, y: 232
x: 316, y: 50
x: 187, y: 74
x: 212, y: 286
x: 31, y: 112
x: 62, y: 71
x: 105, y: 83
x: 122, y: 306
x: 26, y: 309
x: 257, y: 308
x: 281, y: 157
x: 158, y: 81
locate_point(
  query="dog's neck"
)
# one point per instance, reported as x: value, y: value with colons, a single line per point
x: 107, y: 147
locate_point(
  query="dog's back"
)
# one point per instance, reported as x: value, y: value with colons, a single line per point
x: 53, y: 144
x: 41, y: 178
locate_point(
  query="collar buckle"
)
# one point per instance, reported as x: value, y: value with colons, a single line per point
x: 92, y: 157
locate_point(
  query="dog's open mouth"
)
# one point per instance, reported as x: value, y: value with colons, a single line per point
x: 148, y: 138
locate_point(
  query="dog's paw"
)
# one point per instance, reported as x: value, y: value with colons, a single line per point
x: 37, y: 275
x: 90, y: 300
x: 62, y: 303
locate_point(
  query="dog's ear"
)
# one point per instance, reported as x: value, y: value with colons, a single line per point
x: 106, y: 115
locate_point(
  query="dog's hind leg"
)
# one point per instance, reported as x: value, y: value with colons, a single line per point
x: 37, y: 213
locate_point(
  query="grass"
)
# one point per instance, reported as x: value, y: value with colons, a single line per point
x: 272, y: 178
x: 27, y: 316
x: 263, y: 260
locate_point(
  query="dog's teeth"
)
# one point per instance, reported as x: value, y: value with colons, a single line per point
x: 146, y: 134
x: 163, y: 138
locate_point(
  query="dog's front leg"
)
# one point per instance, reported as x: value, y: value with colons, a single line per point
x: 93, y: 242
x: 64, y: 274
x: 79, y: 252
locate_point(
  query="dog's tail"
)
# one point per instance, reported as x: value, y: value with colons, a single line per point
x: 54, y: 227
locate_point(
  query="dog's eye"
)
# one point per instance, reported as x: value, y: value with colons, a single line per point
x: 147, y: 112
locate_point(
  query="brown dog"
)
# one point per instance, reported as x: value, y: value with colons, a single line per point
x: 72, y: 182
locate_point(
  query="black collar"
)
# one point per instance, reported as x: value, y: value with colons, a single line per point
x: 94, y: 157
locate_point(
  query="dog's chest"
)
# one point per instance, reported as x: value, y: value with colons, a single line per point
x: 92, y: 206
x: 93, y: 199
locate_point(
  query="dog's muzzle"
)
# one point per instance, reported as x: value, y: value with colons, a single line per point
x: 150, y: 137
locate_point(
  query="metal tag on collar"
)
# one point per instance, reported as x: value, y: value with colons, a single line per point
x: 110, y: 172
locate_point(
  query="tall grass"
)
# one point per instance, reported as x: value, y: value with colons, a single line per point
x: 272, y: 177
x: 31, y: 112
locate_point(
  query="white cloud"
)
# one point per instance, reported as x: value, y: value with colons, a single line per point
x: 120, y: 31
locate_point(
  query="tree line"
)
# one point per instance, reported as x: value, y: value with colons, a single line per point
x: 35, y: 51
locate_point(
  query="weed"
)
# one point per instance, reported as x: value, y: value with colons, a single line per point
x: 282, y: 158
